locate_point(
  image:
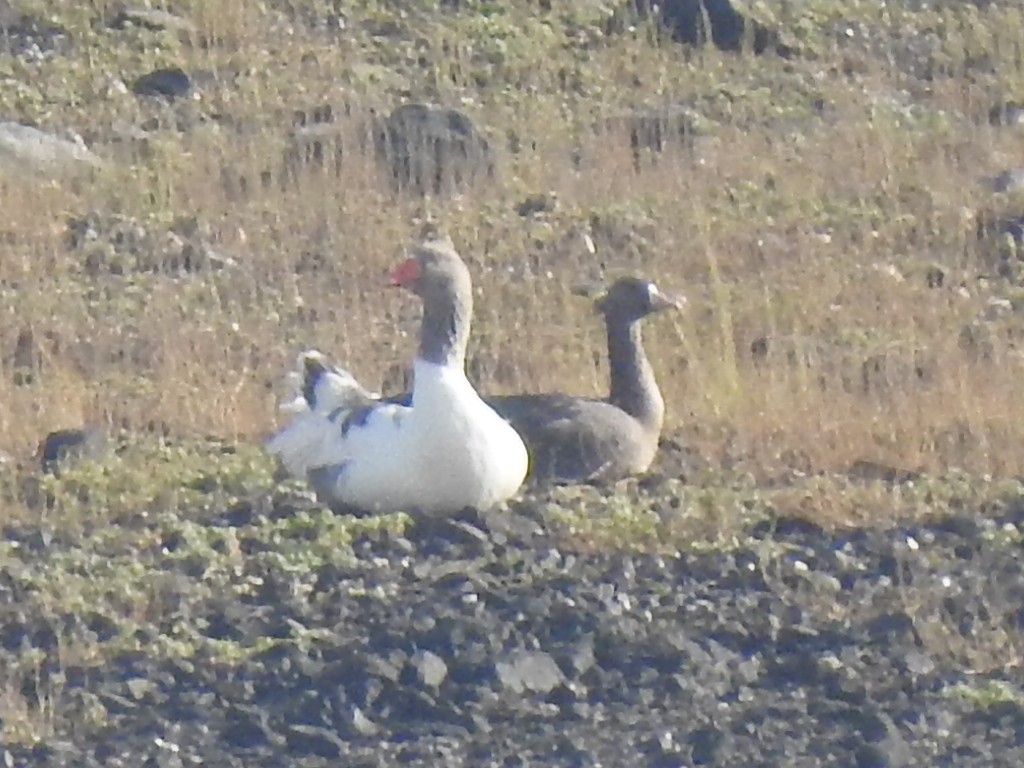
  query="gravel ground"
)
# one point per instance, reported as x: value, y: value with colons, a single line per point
x: 489, y: 642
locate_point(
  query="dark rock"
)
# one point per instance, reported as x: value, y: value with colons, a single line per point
x: 170, y: 83
x: 966, y: 529
x: 871, y: 756
x: 729, y: 30
x: 240, y: 514
x: 246, y: 727
x: 104, y: 627
x: 895, y: 627
x: 430, y: 150
x: 705, y: 744
x: 536, y: 204
x: 759, y: 348
x: 308, y: 740
x: 24, y: 358
x: 66, y: 445
x: 787, y: 527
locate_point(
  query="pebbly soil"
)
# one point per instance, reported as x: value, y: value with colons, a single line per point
x: 504, y: 640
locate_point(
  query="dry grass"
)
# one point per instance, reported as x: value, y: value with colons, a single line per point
x: 806, y: 225
x: 811, y: 232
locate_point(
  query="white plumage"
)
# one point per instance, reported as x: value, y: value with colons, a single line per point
x: 444, y: 451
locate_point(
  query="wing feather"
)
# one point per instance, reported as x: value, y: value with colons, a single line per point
x: 328, y: 408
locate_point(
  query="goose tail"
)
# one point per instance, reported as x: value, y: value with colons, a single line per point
x: 320, y: 392
x: 319, y: 387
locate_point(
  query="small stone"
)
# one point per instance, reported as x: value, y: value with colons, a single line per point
x: 920, y: 663
x: 139, y: 687
x: 530, y: 671
x: 431, y: 668
x: 363, y: 725
x: 151, y: 19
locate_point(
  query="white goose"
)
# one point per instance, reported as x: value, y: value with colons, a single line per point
x: 444, y: 452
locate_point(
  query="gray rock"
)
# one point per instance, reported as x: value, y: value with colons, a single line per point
x: 24, y: 148
x: 431, y: 150
x: 363, y: 725
x: 431, y: 668
x: 532, y: 671
x: 151, y: 19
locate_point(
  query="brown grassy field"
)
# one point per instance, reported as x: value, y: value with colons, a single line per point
x: 804, y: 225
x: 845, y: 324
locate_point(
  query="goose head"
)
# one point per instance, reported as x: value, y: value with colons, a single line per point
x: 631, y: 298
x: 437, y: 274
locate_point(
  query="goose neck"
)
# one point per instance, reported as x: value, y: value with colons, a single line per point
x: 633, y: 387
x: 444, y: 334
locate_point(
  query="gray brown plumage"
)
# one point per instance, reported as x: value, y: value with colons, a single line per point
x: 576, y: 439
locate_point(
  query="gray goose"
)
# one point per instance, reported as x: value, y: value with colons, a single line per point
x: 577, y: 439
